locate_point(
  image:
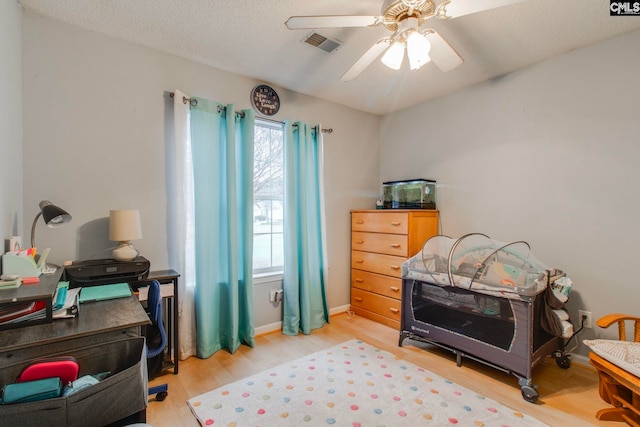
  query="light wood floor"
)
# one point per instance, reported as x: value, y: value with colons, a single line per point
x: 568, y: 397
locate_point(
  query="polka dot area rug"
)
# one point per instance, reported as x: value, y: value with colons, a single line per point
x: 351, y: 384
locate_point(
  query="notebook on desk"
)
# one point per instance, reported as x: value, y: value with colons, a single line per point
x: 104, y: 292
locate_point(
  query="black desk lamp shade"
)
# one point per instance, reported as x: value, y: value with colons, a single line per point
x: 53, y: 217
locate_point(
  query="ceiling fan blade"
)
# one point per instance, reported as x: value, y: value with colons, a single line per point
x: 308, y: 22
x: 454, y: 8
x: 441, y: 53
x: 365, y: 60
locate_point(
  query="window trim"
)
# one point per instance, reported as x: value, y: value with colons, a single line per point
x: 260, y: 278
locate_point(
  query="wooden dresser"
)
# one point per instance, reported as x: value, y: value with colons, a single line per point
x: 381, y: 240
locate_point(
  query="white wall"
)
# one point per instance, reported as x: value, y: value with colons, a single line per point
x: 10, y: 121
x: 549, y: 155
x: 95, y: 110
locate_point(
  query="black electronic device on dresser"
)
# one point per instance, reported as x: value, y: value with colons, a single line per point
x: 105, y: 271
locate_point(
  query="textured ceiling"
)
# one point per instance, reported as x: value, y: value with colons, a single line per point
x: 249, y: 38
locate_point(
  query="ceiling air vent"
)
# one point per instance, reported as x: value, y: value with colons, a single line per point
x: 321, y: 42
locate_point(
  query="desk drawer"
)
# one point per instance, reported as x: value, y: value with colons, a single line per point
x: 377, y: 263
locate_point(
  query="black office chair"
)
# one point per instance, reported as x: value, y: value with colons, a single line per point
x: 156, y: 340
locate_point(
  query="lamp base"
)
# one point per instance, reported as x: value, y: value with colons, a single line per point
x: 124, y: 252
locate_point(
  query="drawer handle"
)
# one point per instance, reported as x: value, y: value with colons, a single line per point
x: 359, y: 280
x: 394, y: 289
x: 358, y: 299
x: 359, y: 261
x: 395, y: 245
x: 359, y: 242
x: 395, y: 267
x: 396, y: 223
x: 359, y: 221
x: 394, y: 310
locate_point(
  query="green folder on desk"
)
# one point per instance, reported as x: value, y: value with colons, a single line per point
x: 104, y: 292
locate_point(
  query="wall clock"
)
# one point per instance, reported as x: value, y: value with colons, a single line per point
x: 265, y: 100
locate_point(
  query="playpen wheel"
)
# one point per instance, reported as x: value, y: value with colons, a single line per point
x: 161, y: 396
x: 530, y: 394
x: 563, y: 361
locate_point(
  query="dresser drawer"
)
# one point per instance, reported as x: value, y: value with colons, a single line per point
x: 380, y: 222
x: 390, y: 244
x: 377, y: 263
x: 384, y: 306
x: 384, y: 285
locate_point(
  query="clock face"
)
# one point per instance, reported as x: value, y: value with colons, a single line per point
x: 265, y: 100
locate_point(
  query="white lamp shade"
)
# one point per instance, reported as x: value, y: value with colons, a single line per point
x: 418, y: 48
x: 124, y: 225
x: 393, y: 57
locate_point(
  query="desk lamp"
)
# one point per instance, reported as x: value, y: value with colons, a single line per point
x: 124, y: 226
x: 53, y: 216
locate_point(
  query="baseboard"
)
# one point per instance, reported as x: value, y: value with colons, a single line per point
x: 267, y: 329
x: 339, y: 310
x: 277, y: 326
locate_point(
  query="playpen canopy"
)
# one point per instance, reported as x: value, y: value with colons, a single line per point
x: 477, y: 262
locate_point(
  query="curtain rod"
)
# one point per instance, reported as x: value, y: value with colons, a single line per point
x: 280, y: 122
x: 194, y: 102
x: 191, y: 101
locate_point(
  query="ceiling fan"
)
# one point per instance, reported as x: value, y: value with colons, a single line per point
x: 406, y: 20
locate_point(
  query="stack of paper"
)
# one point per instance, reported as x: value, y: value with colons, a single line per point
x: 21, y: 312
x: 10, y: 284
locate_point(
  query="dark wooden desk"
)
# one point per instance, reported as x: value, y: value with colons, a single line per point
x: 96, y: 321
x: 113, y: 317
x: 99, y: 325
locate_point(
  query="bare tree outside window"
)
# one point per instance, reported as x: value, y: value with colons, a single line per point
x: 268, y: 197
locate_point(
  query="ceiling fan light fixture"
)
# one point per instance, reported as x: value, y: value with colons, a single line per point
x: 418, y: 48
x: 393, y: 57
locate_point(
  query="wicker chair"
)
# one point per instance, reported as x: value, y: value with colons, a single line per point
x: 618, y: 387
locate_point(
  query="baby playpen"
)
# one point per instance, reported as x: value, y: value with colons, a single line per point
x: 489, y: 301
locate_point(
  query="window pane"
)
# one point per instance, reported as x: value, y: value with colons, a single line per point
x: 268, y: 191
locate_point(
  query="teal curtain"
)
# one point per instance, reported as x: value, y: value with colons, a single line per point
x: 222, y: 153
x: 305, y: 305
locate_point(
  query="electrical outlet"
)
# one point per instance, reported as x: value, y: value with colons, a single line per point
x: 586, y: 315
x: 275, y: 295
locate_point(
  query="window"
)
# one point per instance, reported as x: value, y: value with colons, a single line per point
x: 268, y: 198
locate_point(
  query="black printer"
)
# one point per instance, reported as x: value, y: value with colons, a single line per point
x: 105, y: 271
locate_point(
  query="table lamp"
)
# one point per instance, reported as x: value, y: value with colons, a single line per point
x: 53, y: 217
x: 124, y: 226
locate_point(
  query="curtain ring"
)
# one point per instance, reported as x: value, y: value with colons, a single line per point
x: 192, y: 102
